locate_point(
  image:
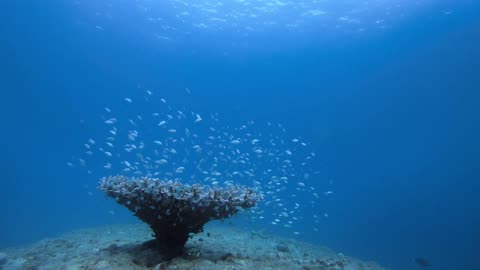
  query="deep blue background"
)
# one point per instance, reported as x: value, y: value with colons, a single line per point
x: 393, y: 117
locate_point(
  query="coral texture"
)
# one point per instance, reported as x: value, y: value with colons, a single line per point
x: 175, y: 211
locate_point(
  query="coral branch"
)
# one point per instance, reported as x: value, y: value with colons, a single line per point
x: 173, y: 210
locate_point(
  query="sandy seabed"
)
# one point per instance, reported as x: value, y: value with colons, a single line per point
x: 121, y: 247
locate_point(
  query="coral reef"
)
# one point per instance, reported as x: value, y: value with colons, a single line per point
x: 175, y: 211
x: 218, y: 247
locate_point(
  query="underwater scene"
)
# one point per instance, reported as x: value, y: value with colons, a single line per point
x: 240, y: 134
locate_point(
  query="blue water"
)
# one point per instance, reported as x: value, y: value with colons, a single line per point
x: 386, y: 97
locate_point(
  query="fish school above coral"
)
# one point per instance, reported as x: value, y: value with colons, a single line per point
x: 174, y: 210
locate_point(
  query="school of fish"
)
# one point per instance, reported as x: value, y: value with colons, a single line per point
x: 180, y: 145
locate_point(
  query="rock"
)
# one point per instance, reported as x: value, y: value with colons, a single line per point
x: 241, y: 263
x: 74, y: 267
x: 102, y: 265
x: 283, y: 248
x: 15, y: 264
x: 161, y: 266
x: 3, y: 258
x: 204, y: 265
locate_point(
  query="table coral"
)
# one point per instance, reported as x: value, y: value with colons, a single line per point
x: 175, y: 211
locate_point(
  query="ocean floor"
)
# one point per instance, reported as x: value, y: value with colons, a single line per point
x: 218, y: 247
